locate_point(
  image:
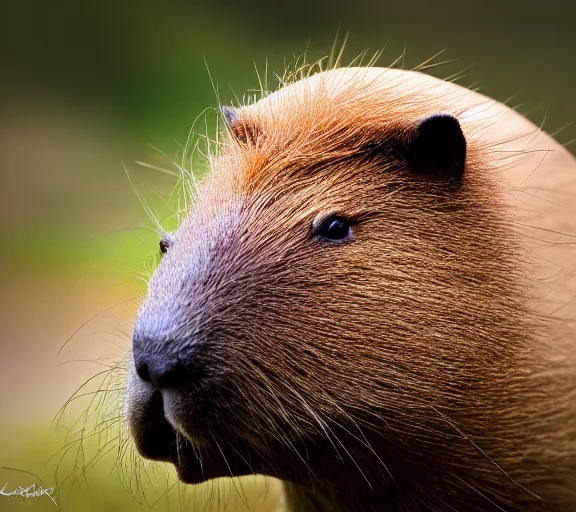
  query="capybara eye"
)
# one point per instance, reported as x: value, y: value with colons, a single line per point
x: 333, y: 228
x: 166, y: 242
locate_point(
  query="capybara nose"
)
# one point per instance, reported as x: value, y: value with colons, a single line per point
x: 159, y: 370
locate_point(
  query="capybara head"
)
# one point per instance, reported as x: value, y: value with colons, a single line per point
x: 344, y: 307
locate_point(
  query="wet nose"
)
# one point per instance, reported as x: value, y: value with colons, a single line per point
x: 159, y: 370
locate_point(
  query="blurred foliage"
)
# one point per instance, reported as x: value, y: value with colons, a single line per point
x: 145, y: 63
x: 100, y: 488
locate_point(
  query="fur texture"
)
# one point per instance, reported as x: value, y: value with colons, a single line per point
x: 412, y: 368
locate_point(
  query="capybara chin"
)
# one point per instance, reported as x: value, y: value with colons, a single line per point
x: 372, y: 299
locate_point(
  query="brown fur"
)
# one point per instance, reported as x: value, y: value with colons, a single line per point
x: 414, y: 368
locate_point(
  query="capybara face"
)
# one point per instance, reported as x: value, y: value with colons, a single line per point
x: 343, y: 305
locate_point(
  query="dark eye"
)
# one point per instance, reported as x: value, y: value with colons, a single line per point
x: 166, y: 241
x: 333, y: 227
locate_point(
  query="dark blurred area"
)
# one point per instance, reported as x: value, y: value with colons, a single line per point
x: 87, y: 88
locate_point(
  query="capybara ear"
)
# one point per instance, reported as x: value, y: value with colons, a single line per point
x: 437, y: 146
x: 243, y: 130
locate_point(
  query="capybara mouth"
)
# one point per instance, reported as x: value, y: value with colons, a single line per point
x: 196, y: 457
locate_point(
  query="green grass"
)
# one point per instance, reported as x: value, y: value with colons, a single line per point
x: 105, y: 486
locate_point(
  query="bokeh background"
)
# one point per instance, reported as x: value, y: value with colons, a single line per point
x: 87, y: 90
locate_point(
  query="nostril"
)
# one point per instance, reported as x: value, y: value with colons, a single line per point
x: 160, y: 371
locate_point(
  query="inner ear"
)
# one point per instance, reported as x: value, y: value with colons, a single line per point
x: 437, y: 146
x: 243, y: 130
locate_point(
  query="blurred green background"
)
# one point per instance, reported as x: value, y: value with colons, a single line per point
x: 86, y: 90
